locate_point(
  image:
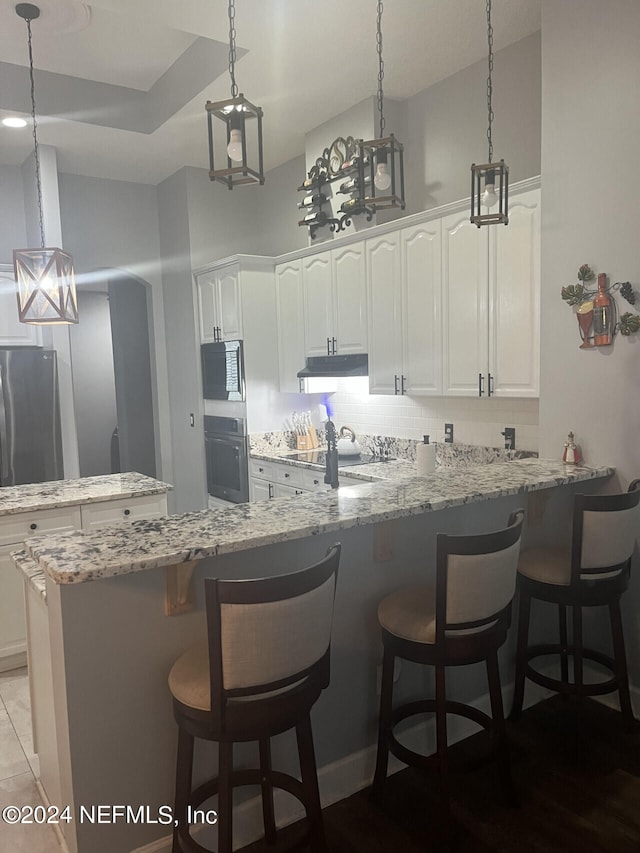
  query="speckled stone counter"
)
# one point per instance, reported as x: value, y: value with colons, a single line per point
x: 393, y: 469
x: 80, y: 556
x: 59, y: 493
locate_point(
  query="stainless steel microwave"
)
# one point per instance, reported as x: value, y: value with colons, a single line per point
x: 222, y: 370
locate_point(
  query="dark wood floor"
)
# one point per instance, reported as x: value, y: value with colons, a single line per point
x: 574, y: 798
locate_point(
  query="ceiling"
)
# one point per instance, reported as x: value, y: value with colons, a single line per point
x: 121, y: 84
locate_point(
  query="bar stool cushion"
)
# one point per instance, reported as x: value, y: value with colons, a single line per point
x: 410, y: 613
x: 189, y: 680
x: 546, y: 565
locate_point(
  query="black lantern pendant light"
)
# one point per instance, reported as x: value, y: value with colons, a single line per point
x: 381, y: 160
x: 45, y: 277
x: 494, y: 176
x: 235, y: 113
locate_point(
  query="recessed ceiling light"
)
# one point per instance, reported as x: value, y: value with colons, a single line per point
x: 13, y: 121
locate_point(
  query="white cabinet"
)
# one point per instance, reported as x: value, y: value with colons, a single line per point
x: 279, y: 479
x: 490, y: 287
x: 420, y: 248
x: 14, y: 529
x: 335, y: 301
x: 384, y: 293
x: 103, y: 513
x: 290, y: 310
x: 219, y: 307
x: 13, y: 333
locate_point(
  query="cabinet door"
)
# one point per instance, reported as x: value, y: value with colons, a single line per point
x: 13, y: 631
x: 385, y: 307
x: 104, y: 513
x: 207, y: 311
x: 422, y: 308
x: 229, y: 306
x: 514, y: 299
x: 281, y: 491
x: 350, y: 298
x: 261, y: 490
x: 290, y: 309
x: 318, y: 304
x: 13, y: 333
x: 465, y: 302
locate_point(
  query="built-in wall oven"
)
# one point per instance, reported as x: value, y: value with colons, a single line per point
x: 227, y: 455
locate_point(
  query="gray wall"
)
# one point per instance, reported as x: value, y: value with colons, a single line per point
x: 94, y: 388
x: 13, y: 230
x: 590, y: 215
x: 113, y: 225
x: 447, y: 126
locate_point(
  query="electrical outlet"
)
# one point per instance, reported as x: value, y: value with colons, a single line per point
x: 448, y: 433
x: 509, y: 438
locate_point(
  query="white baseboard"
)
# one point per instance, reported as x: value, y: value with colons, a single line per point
x: 61, y: 839
x: 13, y: 656
x: 354, y: 772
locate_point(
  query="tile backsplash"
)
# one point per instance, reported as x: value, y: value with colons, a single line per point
x: 475, y: 421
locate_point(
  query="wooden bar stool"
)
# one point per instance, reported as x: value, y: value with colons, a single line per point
x: 462, y: 620
x: 594, y: 572
x: 263, y: 668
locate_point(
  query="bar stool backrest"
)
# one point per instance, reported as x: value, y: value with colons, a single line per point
x: 267, y: 634
x: 605, y: 530
x: 476, y: 579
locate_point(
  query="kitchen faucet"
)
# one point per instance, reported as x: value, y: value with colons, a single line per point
x: 331, y: 469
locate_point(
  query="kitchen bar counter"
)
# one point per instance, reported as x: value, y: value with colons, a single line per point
x: 61, y: 493
x: 392, y: 469
x: 82, y: 555
x: 111, y: 644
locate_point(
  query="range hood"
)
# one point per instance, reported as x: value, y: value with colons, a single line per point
x: 336, y: 365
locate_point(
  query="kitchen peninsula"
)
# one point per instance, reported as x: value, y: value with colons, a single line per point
x: 112, y: 645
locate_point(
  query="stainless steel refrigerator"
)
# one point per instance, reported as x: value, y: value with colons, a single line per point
x: 30, y: 439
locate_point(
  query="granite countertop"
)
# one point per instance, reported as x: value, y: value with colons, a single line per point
x: 59, y: 493
x: 392, y: 469
x: 85, y: 555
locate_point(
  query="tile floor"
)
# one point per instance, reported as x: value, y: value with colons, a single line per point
x: 19, y: 768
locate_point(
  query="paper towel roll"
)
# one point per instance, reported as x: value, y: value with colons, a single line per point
x: 425, y: 459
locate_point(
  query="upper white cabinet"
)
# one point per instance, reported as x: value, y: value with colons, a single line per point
x: 290, y: 308
x: 13, y: 333
x: 405, y: 323
x: 384, y: 292
x: 490, y: 287
x: 219, y: 307
x: 335, y: 301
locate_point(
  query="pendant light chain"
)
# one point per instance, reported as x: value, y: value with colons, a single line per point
x: 35, y: 136
x: 232, y: 48
x: 490, y: 81
x: 380, y: 68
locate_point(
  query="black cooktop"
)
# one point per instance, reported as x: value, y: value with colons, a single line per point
x: 319, y: 457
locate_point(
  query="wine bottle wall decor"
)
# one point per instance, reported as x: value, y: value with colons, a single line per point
x: 596, y: 309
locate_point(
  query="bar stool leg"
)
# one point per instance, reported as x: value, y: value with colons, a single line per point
x: 268, y: 815
x: 309, y: 775
x: 384, y: 725
x: 441, y: 737
x: 500, y: 731
x: 184, y: 770
x: 564, y: 643
x: 225, y: 799
x: 524, y: 610
x: 620, y: 661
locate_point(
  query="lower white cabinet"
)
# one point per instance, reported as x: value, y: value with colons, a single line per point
x: 14, y: 529
x: 278, y: 480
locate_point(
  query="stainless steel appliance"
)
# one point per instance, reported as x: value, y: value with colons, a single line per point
x: 227, y: 454
x: 30, y: 438
x: 222, y: 370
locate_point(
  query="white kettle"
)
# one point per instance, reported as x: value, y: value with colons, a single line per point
x: 347, y: 444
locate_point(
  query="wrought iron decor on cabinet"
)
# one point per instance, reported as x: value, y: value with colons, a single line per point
x: 340, y: 161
